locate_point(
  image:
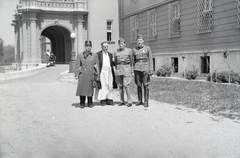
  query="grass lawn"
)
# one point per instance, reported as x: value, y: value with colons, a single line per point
x: 221, y: 99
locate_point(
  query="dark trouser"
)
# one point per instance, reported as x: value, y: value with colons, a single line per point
x: 142, y: 78
x: 83, y: 98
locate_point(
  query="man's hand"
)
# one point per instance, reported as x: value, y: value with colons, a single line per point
x: 76, y: 77
x: 150, y: 73
x: 132, y: 74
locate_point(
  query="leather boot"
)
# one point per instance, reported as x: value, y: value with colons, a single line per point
x: 146, y: 96
x: 139, y: 91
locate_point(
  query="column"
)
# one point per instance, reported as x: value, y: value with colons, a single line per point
x: 33, y: 38
x: 20, y: 41
x: 16, y: 42
x: 24, y: 40
x: 80, y: 36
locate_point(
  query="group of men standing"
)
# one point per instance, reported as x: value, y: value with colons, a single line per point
x: 111, y: 71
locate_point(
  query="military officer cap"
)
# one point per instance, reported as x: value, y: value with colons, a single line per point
x: 88, y: 43
x: 139, y: 36
x: 121, y: 40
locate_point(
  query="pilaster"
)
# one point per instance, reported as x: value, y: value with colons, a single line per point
x: 24, y: 39
x: 33, y: 36
x: 80, y: 33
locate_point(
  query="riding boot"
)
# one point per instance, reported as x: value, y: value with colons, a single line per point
x: 139, y: 91
x: 146, y: 96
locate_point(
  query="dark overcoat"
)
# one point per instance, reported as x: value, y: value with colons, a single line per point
x: 100, y: 60
x: 85, y: 71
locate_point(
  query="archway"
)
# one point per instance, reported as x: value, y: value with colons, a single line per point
x: 60, y: 42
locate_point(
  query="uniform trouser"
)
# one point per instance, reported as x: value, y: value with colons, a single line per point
x: 123, y: 83
x: 142, y: 78
x: 83, y: 98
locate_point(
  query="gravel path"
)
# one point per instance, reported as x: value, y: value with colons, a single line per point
x: 40, y: 118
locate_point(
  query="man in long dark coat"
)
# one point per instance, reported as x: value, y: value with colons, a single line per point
x: 86, y: 69
x: 107, y: 77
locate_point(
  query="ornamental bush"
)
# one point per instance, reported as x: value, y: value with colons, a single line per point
x: 223, y: 77
x: 191, y: 74
x: 164, y: 71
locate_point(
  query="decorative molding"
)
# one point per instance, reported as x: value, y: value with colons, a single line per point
x: 56, y: 21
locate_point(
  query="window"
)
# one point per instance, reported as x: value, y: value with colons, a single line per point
x: 174, y: 61
x: 152, y: 24
x: 134, y: 28
x: 174, y: 19
x: 109, y: 30
x: 205, y: 64
x: 238, y: 21
x: 205, y: 16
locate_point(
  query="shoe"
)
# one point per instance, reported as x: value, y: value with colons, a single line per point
x: 103, y: 102
x: 139, y: 103
x: 82, y: 105
x: 121, y: 104
x: 145, y: 104
x: 129, y: 104
x: 109, y: 102
x: 90, y: 105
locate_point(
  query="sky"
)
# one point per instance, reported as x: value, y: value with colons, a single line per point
x: 7, y: 8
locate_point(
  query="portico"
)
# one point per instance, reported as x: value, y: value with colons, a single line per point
x: 36, y: 21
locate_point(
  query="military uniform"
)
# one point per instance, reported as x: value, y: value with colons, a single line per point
x: 123, y: 62
x: 143, y: 68
x: 85, y: 70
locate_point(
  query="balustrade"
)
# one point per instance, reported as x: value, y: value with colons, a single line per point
x: 79, y: 5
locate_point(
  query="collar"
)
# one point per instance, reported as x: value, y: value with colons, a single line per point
x: 85, y: 54
x: 104, y: 52
x: 122, y: 49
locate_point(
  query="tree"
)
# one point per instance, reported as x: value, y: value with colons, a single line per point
x: 1, y: 49
x: 8, y: 54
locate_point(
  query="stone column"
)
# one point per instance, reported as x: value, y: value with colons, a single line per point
x: 20, y: 41
x: 33, y: 26
x: 16, y: 42
x: 24, y: 40
x: 80, y: 36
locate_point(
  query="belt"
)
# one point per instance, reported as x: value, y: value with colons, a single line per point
x: 123, y: 63
x: 141, y: 60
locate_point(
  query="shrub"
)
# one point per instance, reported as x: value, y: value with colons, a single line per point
x: 191, y: 74
x: 223, y: 77
x: 164, y: 71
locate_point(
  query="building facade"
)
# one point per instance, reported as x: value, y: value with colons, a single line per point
x: 201, y: 34
x: 62, y: 26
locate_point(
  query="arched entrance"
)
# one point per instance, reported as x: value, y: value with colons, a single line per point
x: 60, y: 42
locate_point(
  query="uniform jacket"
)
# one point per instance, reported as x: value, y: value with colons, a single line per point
x: 143, y: 60
x: 123, y: 62
x: 100, y: 60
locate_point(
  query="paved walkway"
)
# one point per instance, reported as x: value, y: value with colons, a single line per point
x: 40, y: 118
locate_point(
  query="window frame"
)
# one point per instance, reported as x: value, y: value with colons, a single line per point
x: 152, y: 24
x: 238, y: 14
x: 205, y: 16
x: 134, y: 28
x: 174, y: 21
x: 109, y: 31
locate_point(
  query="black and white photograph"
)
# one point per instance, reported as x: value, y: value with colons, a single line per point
x: 119, y: 78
